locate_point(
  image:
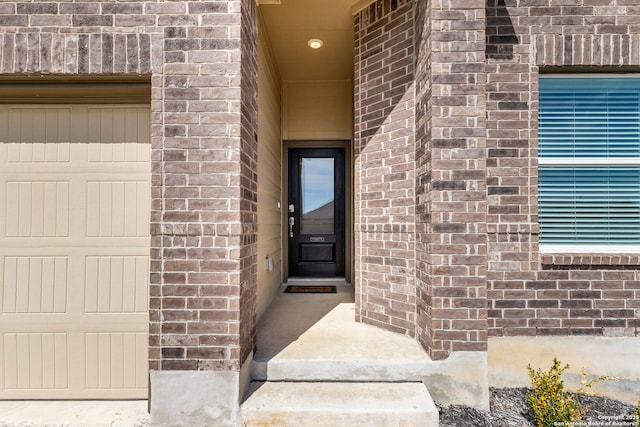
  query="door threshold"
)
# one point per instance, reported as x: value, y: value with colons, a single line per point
x: 339, y: 280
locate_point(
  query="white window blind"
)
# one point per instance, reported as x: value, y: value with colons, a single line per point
x: 589, y: 152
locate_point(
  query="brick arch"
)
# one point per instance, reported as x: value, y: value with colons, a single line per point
x: 77, y: 53
x: 587, y: 49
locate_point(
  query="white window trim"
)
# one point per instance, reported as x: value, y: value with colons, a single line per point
x: 590, y: 76
x: 592, y: 161
x: 552, y: 248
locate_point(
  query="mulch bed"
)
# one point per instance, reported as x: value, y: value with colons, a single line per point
x: 509, y: 409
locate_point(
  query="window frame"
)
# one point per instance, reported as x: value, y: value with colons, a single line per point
x: 584, y: 248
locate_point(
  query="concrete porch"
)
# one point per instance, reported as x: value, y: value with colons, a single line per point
x: 315, y: 365
x: 314, y: 337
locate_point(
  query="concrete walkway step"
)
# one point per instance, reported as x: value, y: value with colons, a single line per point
x: 340, y: 370
x: 303, y: 404
x: 324, y: 343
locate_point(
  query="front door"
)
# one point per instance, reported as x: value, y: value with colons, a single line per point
x: 316, y: 224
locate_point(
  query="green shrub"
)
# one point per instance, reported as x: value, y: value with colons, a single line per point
x: 549, y: 402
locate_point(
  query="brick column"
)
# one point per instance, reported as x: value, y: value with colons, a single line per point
x: 204, y: 218
x: 384, y: 167
x: 451, y: 177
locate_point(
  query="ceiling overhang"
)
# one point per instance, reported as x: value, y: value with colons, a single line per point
x: 291, y: 24
x: 358, y: 5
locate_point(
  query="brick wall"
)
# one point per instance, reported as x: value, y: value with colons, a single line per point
x: 384, y: 166
x: 532, y: 293
x: 203, y: 151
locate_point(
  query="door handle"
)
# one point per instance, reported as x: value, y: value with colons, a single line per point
x: 292, y: 221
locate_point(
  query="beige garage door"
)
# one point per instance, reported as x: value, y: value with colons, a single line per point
x: 74, y: 251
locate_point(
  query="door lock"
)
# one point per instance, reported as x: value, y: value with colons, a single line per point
x: 292, y: 208
x: 292, y: 221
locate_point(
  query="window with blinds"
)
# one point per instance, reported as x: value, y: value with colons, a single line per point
x: 589, y: 161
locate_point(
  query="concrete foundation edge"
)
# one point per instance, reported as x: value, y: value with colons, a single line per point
x: 612, y: 356
x: 461, y: 379
x: 197, y: 398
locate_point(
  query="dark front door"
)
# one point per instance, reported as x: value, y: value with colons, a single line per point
x: 316, y: 212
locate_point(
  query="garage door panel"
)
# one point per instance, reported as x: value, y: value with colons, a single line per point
x: 39, y: 125
x: 112, y: 360
x: 45, y: 366
x: 37, y: 209
x: 116, y: 124
x: 74, y: 251
x: 38, y: 152
x: 118, y: 152
x: 65, y: 171
x: 116, y: 284
x: 34, y: 285
x: 70, y: 322
x: 107, y: 203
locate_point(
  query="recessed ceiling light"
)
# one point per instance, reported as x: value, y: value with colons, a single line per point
x: 315, y: 43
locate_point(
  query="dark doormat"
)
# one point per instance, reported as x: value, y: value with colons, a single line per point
x: 297, y: 289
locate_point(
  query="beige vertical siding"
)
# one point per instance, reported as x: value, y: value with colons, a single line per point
x: 269, y: 174
x: 317, y: 110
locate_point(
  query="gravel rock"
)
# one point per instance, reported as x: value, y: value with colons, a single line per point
x: 603, y: 409
x: 509, y: 409
x: 462, y: 416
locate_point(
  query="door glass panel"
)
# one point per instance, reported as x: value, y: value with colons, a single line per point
x: 317, y: 189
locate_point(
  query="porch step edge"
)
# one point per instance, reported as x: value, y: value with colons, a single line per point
x: 295, y: 404
x: 341, y: 370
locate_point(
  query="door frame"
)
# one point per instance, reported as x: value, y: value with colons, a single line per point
x: 320, y: 243
x: 348, y: 190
